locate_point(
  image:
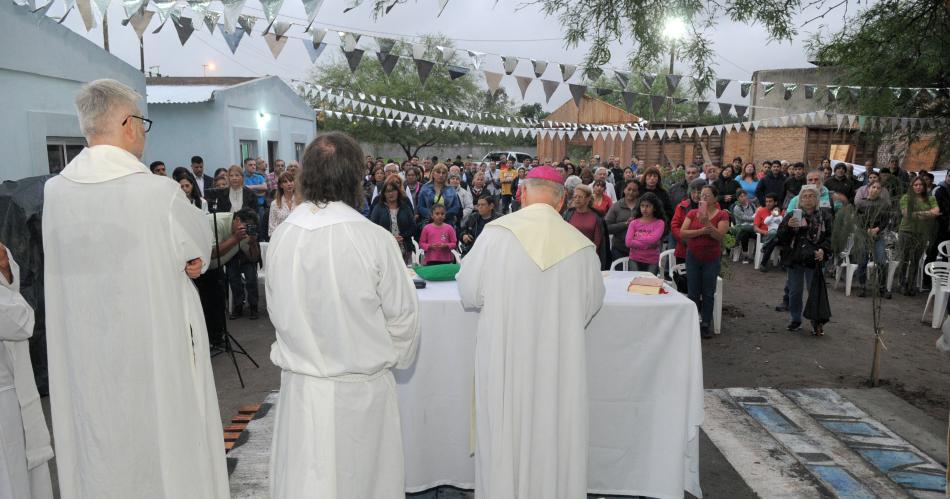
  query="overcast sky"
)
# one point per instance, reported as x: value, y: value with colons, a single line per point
x: 480, y: 25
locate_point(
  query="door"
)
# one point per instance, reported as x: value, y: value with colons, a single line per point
x: 271, y: 154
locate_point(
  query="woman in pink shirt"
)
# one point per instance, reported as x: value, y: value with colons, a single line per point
x: 438, y: 238
x: 645, y: 234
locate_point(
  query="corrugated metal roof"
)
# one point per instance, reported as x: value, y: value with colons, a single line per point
x: 180, y: 94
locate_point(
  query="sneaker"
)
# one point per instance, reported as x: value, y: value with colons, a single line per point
x: 887, y: 295
x: 794, y: 326
x: 781, y: 308
x: 237, y: 312
x: 253, y: 315
x: 705, y: 332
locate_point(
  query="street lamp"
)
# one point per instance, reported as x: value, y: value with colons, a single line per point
x: 206, y: 67
x: 674, y: 29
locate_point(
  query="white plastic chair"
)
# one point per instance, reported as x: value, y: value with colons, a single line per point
x: 260, y: 270
x: 759, y: 247
x: 846, y: 266
x: 939, y: 273
x: 417, y: 254
x: 892, y: 267
x: 623, y: 263
x: 666, y: 263
x: 717, y: 307
x: 920, y: 269
x: 943, y: 251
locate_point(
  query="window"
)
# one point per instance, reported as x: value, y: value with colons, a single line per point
x: 298, y: 150
x: 248, y: 149
x: 61, y: 150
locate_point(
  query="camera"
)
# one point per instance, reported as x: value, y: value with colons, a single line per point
x: 251, y: 230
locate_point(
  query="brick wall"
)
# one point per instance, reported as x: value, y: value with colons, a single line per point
x: 737, y: 144
x: 779, y: 143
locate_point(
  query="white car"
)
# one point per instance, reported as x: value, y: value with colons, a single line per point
x: 512, y: 156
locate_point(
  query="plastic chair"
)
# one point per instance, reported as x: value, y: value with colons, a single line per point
x: 260, y: 269
x: 666, y: 263
x: 939, y: 273
x: 717, y: 308
x: 623, y: 262
x: 920, y: 269
x: 943, y: 251
x: 892, y: 267
x: 848, y: 269
x: 759, y: 247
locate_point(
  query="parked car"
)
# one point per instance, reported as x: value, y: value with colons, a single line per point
x: 517, y: 157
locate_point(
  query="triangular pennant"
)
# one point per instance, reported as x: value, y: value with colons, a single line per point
x: 523, y: 83
x: 311, y: 7
x: 840, y: 120
x: 85, y: 10
x: 233, y: 37
x: 164, y: 9
x: 673, y: 81
x: 623, y: 78
x: 744, y: 87
x: 456, y: 72
x: 577, y: 91
x: 41, y: 11
x: 740, y: 110
x: 418, y: 50
x: 833, y: 93
x: 855, y: 93
x: 353, y: 58
x: 103, y: 6
x: 628, y: 98
x: 721, y: 85
x: 539, y: 67
x: 386, y: 46
x: 724, y: 108
x: 271, y: 8
x: 510, y: 63
x: 185, y: 27
x: 447, y: 53
x: 389, y: 63
x: 767, y: 87
x: 648, y: 80
x: 232, y: 10
x: 810, y: 90
x: 789, y: 89
x: 276, y: 44
x: 896, y: 91
x: 211, y: 20
x: 567, y: 71
x: 247, y: 23
x: 701, y: 106
x: 784, y: 120
x: 199, y: 7
x: 133, y: 7
x: 423, y: 67
x: 657, y: 102
x: 550, y: 87
x: 493, y: 80
x: 280, y: 28
x: 476, y: 58
x: 140, y: 22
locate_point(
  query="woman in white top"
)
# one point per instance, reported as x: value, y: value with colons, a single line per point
x: 465, y: 197
x: 283, y: 203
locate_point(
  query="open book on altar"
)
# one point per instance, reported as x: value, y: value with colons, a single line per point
x: 645, y: 286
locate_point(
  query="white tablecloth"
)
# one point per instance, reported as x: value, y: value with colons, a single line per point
x: 644, y: 381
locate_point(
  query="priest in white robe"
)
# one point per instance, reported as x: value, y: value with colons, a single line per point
x: 346, y: 313
x: 531, y: 406
x: 25, y: 448
x: 133, y: 401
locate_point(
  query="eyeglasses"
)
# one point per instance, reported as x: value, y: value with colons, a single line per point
x: 146, y: 123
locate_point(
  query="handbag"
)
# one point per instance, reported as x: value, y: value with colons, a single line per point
x: 817, y: 308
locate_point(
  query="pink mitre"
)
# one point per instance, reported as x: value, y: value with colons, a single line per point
x: 546, y: 173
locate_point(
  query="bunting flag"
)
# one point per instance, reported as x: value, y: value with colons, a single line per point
x: 246, y: 23
x: 448, y: 53
x: 456, y: 72
x: 896, y: 92
x: 550, y: 87
x: 424, y: 68
x: 577, y: 92
x: 386, y: 46
x: 523, y: 83
x: 353, y: 58
x: 510, y: 63
x: 233, y: 37
x: 724, y: 109
x: 855, y: 93
x: 232, y: 10
x: 275, y: 43
x: 348, y: 41
x: 657, y: 103
x: 809, y: 91
x: 740, y: 110
x: 767, y: 87
x: 103, y: 6
x: 311, y: 7
x: 833, y: 92
x: 133, y: 7
x: 744, y: 87
x: 623, y: 78
x: 789, y: 89
x: 270, y: 8
x: 314, y: 49
x: 476, y: 58
x: 199, y: 7
x: 628, y: 100
x: 211, y: 20
x: 648, y: 79
x: 389, y: 63
x: 567, y: 71
x: 184, y: 27
x: 701, y: 106
x: 672, y: 81
x: 140, y: 21
x: 494, y: 80
x: 539, y: 67
x: 316, y: 37
x: 280, y: 28
x: 721, y: 87
x: 85, y: 10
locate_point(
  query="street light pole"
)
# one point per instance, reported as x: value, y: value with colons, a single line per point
x: 669, y: 91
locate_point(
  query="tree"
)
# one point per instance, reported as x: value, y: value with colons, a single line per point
x: 403, y: 83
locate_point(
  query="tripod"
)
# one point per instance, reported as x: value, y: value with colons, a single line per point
x: 228, y: 339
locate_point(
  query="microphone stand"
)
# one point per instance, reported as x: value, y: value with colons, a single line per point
x: 228, y: 339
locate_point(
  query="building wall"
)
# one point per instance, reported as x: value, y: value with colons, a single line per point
x: 39, y: 80
x: 797, y: 103
x: 779, y: 143
x: 738, y: 144
x: 180, y: 131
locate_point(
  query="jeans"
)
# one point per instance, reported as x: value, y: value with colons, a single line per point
x: 506, y: 204
x: 798, y: 278
x: 768, y: 245
x: 701, y: 285
x: 746, y: 234
x: 237, y: 268
x: 880, y: 262
x: 644, y: 267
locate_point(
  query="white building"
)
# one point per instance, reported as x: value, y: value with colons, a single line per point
x: 42, y: 66
x: 225, y: 120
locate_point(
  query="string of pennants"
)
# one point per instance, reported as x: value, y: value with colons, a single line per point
x: 847, y: 121
x: 229, y: 18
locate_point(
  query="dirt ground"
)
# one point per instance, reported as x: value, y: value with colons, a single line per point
x: 755, y: 349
